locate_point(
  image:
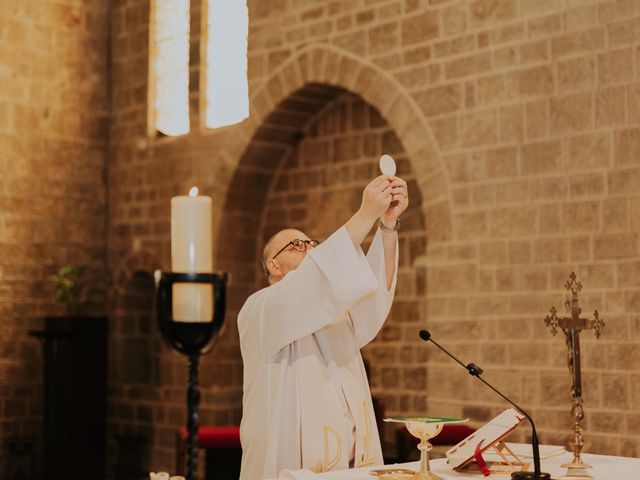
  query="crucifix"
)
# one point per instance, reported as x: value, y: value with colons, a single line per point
x: 572, y: 326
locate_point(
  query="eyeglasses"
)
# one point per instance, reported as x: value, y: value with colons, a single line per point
x: 299, y: 245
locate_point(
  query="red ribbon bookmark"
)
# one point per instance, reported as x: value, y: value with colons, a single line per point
x: 480, y: 461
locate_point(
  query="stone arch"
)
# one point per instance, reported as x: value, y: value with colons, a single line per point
x: 339, y: 70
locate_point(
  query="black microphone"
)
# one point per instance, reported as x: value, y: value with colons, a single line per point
x: 476, y: 371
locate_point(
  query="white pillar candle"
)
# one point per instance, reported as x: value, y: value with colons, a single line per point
x: 191, y: 251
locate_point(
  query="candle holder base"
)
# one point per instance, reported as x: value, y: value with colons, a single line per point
x: 530, y: 476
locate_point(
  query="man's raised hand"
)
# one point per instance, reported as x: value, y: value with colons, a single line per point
x: 399, y: 201
x: 377, y: 197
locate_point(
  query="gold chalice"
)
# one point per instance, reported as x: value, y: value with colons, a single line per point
x: 425, y: 428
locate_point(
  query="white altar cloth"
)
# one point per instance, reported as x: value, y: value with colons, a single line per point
x: 605, y: 467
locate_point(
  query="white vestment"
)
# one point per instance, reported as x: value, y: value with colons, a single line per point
x: 305, y: 388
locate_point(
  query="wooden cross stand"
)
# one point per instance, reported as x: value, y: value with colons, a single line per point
x: 572, y: 326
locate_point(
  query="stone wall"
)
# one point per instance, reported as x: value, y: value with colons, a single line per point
x: 53, y: 135
x: 519, y: 123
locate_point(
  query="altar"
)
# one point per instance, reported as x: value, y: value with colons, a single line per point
x: 605, y: 467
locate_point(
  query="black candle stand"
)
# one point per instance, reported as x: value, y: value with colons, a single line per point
x: 191, y: 339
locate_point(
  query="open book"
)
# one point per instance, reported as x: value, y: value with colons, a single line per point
x: 489, y: 436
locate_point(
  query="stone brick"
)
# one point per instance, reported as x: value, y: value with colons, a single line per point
x: 536, y: 7
x: 355, y: 42
x: 512, y: 192
x: 364, y: 17
x: 479, y: 128
x: 501, y: 162
x: 473, y: 64
x: 623, y: 357
x: 583, y: 16
x: 453, y: 279
x: 384, y: 37
x: 513, y: 221
x: 417, y: 55
x: 436, y: 73
x: 580, y: 249
x: 454, y: 19
x: 617, y: 387
x: 615, y: 66
x: 588, y: 151
x: 446, y: 132
x: 535, y: 51
x: 511, y: 123
x: 507, y: 34
x: 547, y: 25
x: 485, y: 12
x: 611, y: 106
x: 456, y: 46
x: 625, y: 181
x: 577, y: 74
x: 484, y: 195
x: 537, y: 119
x: 419, y: 28
x: 581, y: 217
x: 535, y: 81
x: 458, y: 168
x: 541, y: 157
x: 572, y: 113
x: 578, y: 42
x: 624, y: 32
x: 550, y: 250
x: 549, y: 218
x: 439, y: 100
x: 587, y: 185
x: 498, y: 88
x: 472, y: 225
x: 634, y: 209
x: 415, y: 76
x: 615, y: 214
x: 611, y: 246
x: 534, y: 278
x: 617, y: 10
x: 505, y: 57
x: 519, y: 251
x: 627, y: 146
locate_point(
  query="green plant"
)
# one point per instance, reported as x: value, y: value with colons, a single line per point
x: 72, y: 288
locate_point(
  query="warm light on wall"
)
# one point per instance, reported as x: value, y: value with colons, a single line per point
x: 171, y: 66
x: 227, y: 92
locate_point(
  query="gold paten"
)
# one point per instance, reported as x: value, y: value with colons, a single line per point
x: 393, y: 474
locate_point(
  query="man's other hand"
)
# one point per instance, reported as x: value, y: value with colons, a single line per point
x: 399, y: 201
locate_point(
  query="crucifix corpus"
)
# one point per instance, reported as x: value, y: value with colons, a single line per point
x: 572, y: 326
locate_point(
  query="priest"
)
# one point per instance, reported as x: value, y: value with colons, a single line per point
x: 306, y: 400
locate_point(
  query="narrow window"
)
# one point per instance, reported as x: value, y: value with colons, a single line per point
x: 227, y: 92
x: 170, y: 66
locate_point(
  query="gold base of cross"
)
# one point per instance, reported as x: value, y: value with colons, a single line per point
x: 576, y: 470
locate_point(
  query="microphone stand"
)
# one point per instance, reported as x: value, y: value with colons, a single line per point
x: 476, y: 371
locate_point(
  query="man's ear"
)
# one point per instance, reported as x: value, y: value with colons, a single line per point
x: 273, y: 267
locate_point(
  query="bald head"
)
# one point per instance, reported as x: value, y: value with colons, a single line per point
x: 289, y: 259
